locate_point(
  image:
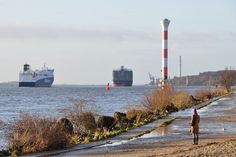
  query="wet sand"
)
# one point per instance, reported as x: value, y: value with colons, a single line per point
x: 224, y: 146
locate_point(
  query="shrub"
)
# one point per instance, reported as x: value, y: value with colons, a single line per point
x: 181, y: 100
x: 158, y: 101
x: 228, y: 78
x: 219, y: 91
x: 88, y: 122
x: 137, y: 115
x: 203, y: 95
x: 4, y: 153
x: 32, y: 133
x: 82, y: 119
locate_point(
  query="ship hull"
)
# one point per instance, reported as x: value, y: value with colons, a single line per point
x: 46, y: 82
x: 122, y: 77
x: 122, y: 84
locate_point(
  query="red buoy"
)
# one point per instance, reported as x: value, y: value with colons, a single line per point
x: 107, y: 87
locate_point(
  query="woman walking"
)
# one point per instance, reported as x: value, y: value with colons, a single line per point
x: 195, y: 126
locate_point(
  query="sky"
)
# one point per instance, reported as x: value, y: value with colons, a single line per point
x: 84, y: 40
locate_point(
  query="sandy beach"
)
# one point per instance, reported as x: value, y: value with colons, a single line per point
x: 220, y: 146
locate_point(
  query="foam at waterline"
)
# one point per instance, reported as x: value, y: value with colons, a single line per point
x: 223, y: 99
x: 115, y: 143
x: 204, y: 109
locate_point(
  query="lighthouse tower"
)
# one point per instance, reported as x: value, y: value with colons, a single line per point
x: 164, y: 24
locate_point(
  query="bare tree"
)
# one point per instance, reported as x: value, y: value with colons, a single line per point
x: 228, y: 78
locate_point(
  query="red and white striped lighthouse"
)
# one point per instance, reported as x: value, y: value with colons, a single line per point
x: 164, y: 24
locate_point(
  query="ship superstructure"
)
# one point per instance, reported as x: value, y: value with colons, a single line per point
x: 122, y: 77
x: 36, y: 78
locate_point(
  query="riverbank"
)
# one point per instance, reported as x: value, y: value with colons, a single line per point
x: 217, y: 145
x: 217, y: 128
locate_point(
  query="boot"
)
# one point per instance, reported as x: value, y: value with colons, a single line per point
x: 194, y: 141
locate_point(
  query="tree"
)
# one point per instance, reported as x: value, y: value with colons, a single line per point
x: 228, y: 78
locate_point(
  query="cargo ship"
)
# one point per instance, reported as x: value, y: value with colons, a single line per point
x: 122, y: 77
x: 36, y: 78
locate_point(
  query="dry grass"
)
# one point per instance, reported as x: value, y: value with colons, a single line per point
x: 137, y: 115
x: 159, y: 100
x: 203, y: 95
x: 82, y: 119
x: 182, y: 100
x: 32, y: 133
x: 219, y: 91
x: 88, y: 122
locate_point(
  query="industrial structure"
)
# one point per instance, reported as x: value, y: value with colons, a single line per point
x: 180, y: 70
x: 164, y: 23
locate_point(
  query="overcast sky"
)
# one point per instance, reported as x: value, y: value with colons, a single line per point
x: 84, y: 40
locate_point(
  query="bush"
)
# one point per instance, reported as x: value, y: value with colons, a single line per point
x: 32, y: 133
x: 137, y: 115
x: 228, y: 78
x: 158, y: 101
x: 82, y: 119
x: 4, y: 153
x: 203, y: 95
x: 181, y: 100
x: 88, y: 122
x: 219, y: 91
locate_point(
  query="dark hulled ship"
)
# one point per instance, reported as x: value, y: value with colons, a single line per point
x: 122, y: 77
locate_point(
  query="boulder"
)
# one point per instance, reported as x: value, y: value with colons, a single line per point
x: 121, y: 119
x: 106, y: 122
x: 66, y: 125
x: 171, y: 108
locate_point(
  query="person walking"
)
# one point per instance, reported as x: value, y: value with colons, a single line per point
x: 195, y: 120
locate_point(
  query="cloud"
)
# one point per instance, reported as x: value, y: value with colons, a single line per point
x: 33, y: 32
x: 203, y: 42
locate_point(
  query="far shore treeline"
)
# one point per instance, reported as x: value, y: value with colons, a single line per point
x: 210, y: 78
x: 34, y: 133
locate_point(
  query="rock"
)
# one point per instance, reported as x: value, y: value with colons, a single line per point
x: 66, y: 125
x: 193, y: 99
x: 106, y: 122
x: 171, y: 108
x: 121, y: 119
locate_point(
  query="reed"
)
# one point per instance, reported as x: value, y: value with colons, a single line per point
x: 32, y: 133
x: 182, y: 100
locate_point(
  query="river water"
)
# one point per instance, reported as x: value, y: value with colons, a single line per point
x: 50, y: 101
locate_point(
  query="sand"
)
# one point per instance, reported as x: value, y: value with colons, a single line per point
x: 215, y: 146
x: 221, y: 146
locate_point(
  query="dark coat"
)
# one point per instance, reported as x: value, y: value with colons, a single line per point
x: 195, y: 124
